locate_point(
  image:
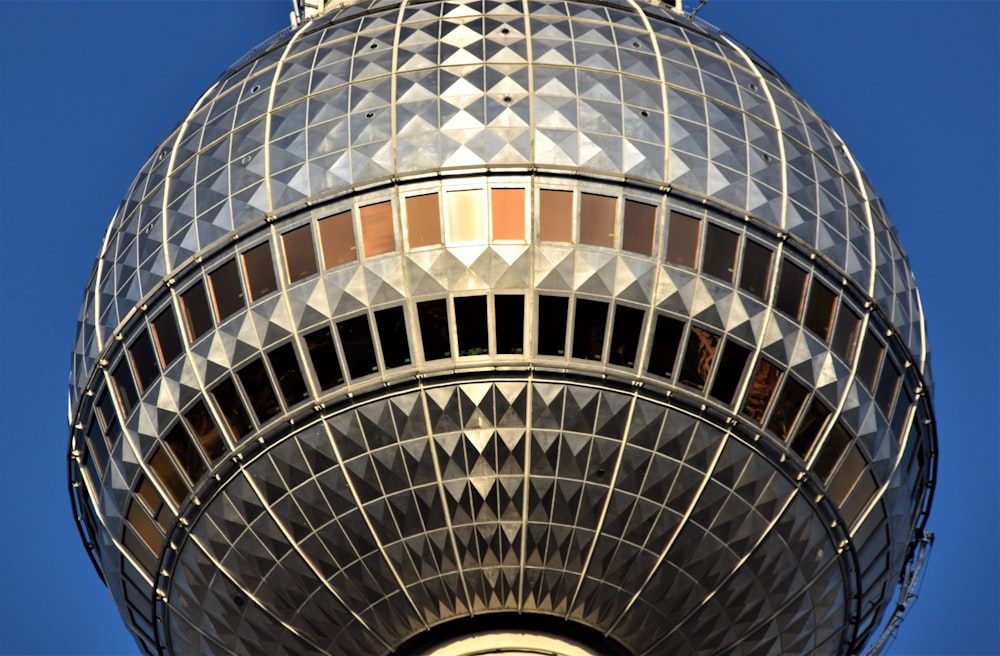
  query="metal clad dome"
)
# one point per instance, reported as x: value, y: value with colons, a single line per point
x: 465, y: 314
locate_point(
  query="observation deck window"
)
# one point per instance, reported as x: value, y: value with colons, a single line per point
x: 765, y: 381
x: 625, y: 335
x: 168, y: 339
x: 508, y: 313
x: 552, y: 314
x: 433, y: 320
x: 845, y: 333
x: 423, y: 220
x: 720, y: 252
x: 819, y: 309
x: 256, y: 383
x: 143, y: 360
x: 378, y: 235
x: 755, y: 269
x: 830, y: 453
x: 699, y: 355
x: 300, y: 256
x: 639, y: 227
x: 466, y: 216
x: 871, y: 358
x: 393, y: 336
x: 683, y: 237
x: 232, y: 408
x: 597, y: 220
x: 185, y: 452
x: 324, y: 358
x: 336, y: 236
x: 508, y: 214
x: 259, y: 271
x: 359, y: 350
x: 555, y: 215
x: 288, y: 374
x: 166, y: 473
x: 730, y: 371
x: 786, y: 408
x: 791, y: 287
x: 196, y: 311
x: 666, y: 343
x: 227, y: 290
x: 590, y: 322
x: 205, y: 431
x: 812, y: 423
x: 888, y: 383
x: 472, y: 325
x: 127, y: 394
x: 850, y: 470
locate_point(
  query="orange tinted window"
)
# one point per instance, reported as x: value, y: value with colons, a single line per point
x: 555, y: 215
x: 597, y: 220
x: 508, y: 213
x: 638, y: 228
x: 377, y: 233
x: 423, y: 220
x: 336, y: 236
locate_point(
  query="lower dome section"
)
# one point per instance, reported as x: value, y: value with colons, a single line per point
x: 420, y: 521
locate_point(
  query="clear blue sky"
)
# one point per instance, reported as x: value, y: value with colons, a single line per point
x: 88, y: 89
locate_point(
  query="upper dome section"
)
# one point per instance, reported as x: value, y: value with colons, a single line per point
x: 367, y: 94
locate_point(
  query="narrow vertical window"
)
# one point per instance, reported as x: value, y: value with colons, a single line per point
x: 227, y: 291
x: 755, y: 269
x: 765, y: 381
x: 666, y: 343
x: 377, y: 234
x: 168, y: 475
x: 638, y: 227
x: 868, y: 363
x: 727, y: 378
x: 850, y: 470
x: 829, y: 454
x: 143, y: 360
x: 555, y: 215
x: 259, y: 271
x: 324, y: 358
x: 787, y: 407
x: 122, y: 376
x: 423, y: 220
x: 393, y: 337
x: 196, y: 312
x: 845, y: 333
x: 286, y: 369
x: 589, y: 324
x: 200, y: 421
x: 698, y: 357
x: 168, y: 339
x: 809, y: 428
x: 472, y: 325
x: 185, y: 452
x: 791, y: 285
x: 359, y: 350
x: 336, y: 238
x: 256, y: 383
x: 508, y: 320
x: 508, y: 213
x: 552, y: 313
x: 466, y: 216
x: 232, y: 408
x: 144, y: 528
x: 597, y: 220
x: 625, y: 335
x: 433, y: 319
x: 682, y: 240
x: 819, y: 309
x: 888, y: 383
x: 300, y: 256
x: 720, y: 252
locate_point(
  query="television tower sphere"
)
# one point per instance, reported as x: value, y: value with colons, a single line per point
x: 438, y: 328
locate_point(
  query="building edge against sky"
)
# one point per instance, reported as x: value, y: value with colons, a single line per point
x: 595, y: 212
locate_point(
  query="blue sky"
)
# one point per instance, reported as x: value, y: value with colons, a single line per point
x: 88, y: 88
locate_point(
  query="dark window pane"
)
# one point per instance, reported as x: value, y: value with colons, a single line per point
x: 682, y: 240
x: 844, y: 333
x: 720, y: 252
x: 232, y: 408
x: 787, y: 407
x: 289, y: 374
x: 829, y: 455
x: 300, y: 256
x: 185, y: 452
x: 472, y: 325
x: 791, y: 285
x: 508, y: 213
x: 168, y: 475
x: 260, y: 271
x: 227, y: 291
x: 666, y: 342
x: 885, y: 394
x: 359, y: 350
x: 588, y: 329
x: 819, y: 310
x: 433, y: 319
x: 698, y: 357
x: 127, y: 394
x: 144, y: 527
x: 899, y: 414
x: 97, y: 448
x: 625, y: 335
x: 843, y: 481
x: 106, y: 409
x: 756, y: 269
x: 168, y: 339
x: 256, y: 383
x: 143, y: 360
x: 862, y: 494
x: 377, y: 234
x: 148, y: 494
x: 200, y: 422
x: 508, y: 313
x: 392, y: 336
x: 336, y: 236
x: 597, y: 220
x: 324, y: 358
x: 871, y: 357
x: 639, y: 227
x: 137, y: 548
x: 727, y: 378
x: 765, y: 381
x: 555, y: 215
x: 552, y: 311
x: 196, y: 312
x: 423, y: 220
x: 810, y: 427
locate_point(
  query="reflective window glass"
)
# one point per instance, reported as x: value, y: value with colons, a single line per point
x: 196, y: 312
x: 508, y: 213
x: 393, y: 336
x: 472, y: 325
x: 765, y: 381
x: 720, y: 252
x: 227, y: 291
x: 864, y: 490
x: 106, y: 409
x: 589, y: 324
x: 300, y: 256
x: 139, y: 550
x: 555, y: 215
x: 286, y: 369
x: 423, y: 220
x: 829, y: 454
x: 336, y: 237
x: 359, y: 350
x: 324, y: 358
x: 755, y: 269
x: 787, y: 407
x: 232, y: 407
x: 143, y: 360
x: 466, y: 216
x: 638, y: 227
x: 256, y: 383
x: 200, y: 421
x: 97, y: 448
x: 165, y: 472
x: 731, y: 365
x: 844, y: 333
x: 597, y: 220
x: 819, y: 309
x: 850, y: 469
x: 625, y: 335
x: 809, y: 428
x: 683, y: 234
x: 144, y: 527
x: 127, y: 394
x: 666, y: 343
x: 899, y: 414
x: 168, y: 339
x: 148, y: 494
x: 888, y: 382
x: 698, y: 357
x: 791, y: 285
x: 552, y: 313
x: 868, y: 363
x: 377, y: 233
x: 508, y: 313
x: 260, y: 271
x: 185, y: 452
x: 433, y: 319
